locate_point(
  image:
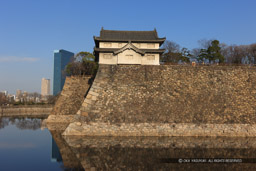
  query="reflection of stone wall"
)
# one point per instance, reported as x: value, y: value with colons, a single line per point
x: 70, y: 99
x: 105, y: 153
x: 68, y: 157
x: 131, y: 94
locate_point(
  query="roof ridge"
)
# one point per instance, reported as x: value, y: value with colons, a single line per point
x: 131, y: 30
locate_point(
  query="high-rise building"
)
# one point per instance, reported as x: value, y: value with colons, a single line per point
x: 61, y: 59
x: 18, y: 94
x: 45, y: 87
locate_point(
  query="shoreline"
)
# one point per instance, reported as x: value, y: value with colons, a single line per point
x: 26, y: 110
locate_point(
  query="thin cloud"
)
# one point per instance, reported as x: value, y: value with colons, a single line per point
x: 18, y: 59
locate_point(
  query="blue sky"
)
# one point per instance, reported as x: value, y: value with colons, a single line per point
x: 31, y: 29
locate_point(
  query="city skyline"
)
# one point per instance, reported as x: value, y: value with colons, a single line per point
x: 31, y: 30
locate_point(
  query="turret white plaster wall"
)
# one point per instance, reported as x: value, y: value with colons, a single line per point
x: 148, y: 60
x: 129, y: 57
x: 107, y: 58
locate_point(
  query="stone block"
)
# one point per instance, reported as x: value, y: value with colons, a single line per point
x: 94, y: 98
x: 94, y: 93
x: 83, y: 113
x: 88, y: 101
x: 85, y: 104
x: 89, y: 96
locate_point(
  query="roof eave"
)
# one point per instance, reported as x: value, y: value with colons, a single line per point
x: 112, y: 50
x: 160, y: 40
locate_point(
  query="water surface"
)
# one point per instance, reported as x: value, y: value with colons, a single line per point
x: 24, y: 145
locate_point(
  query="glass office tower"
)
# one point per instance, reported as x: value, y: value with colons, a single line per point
x: 61, y: 59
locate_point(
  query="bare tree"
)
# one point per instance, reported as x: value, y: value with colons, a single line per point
x: 195, y: 52
x: 204, y: 43
x: 171, y: 46
x: 172, y: 52
x: 3, y: 122
x: 251, y: 53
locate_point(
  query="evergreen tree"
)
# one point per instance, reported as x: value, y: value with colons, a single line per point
x: 212, y: 53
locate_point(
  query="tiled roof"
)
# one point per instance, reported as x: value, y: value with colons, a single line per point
x: 128, y: 35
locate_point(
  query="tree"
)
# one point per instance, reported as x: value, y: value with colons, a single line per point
x: 185, y: 55
x: 84, y: 64
x: 212, y: 53
x: 202, y: 55
x: 251, y: 53
x: 204, y: 43
x: 171, y: 46
x: 240, y: 54
x: 195, y: 52
x: 85, y: 56
x: 173, y: 54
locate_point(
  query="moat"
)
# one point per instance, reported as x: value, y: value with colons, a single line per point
x: 26, y: 144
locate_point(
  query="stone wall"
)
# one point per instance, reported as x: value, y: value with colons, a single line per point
x: 122, y: 95
x: 70, y: 99
x: 26, y: 110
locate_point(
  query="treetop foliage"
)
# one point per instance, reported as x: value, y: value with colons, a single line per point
x: 84, y: 64
x: 84, y: 56
x: 210, y: 51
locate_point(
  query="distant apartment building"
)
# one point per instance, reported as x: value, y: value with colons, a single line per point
x: 5, y: 93
x: 25, y: 94
x: 61, y: 59
x: 45, y: 87
x: 18, y: 94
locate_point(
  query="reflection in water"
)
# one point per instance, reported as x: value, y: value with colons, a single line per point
x: 21, y: 123
x: 13, y: 145
x: 4, y: 122
x: 125, y: 153
x: 153, y: 153
x: 68, y: 157
x: 56, y: 156
x: 23, y: 146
